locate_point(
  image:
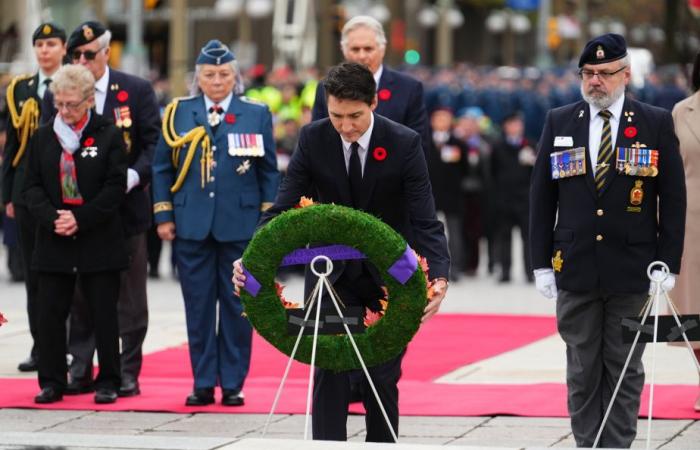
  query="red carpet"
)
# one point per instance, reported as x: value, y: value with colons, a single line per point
x: 444, y: 344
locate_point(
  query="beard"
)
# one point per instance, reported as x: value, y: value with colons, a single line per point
x: 602, y: 100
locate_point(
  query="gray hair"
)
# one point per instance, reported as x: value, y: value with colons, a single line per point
x: 363, y: 22
x: 105, y: 39
x: 73, y: 77
x: 626, y: 61
x: 238, y: 88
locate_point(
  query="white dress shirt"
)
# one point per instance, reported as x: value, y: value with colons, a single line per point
x: 378, y: 74
x: 595, y: 129
x: 101, y: 86
x: 363, y: 143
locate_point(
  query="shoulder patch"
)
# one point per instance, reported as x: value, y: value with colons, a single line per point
x: 251, y: 101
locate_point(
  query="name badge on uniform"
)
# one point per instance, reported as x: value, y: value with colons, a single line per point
x: 246, y: 144
x: 563, y: 141
x: 568, y: 163
x: 637, y: 161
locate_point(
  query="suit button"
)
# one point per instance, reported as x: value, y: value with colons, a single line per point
x: 213, y: 148
x: 211, y: 195
x: 213, y: 164
x: 75, y: 269
x: 599, y: 212
x: 212, y: 179
x: 75, y: 237
x: 599, y: 238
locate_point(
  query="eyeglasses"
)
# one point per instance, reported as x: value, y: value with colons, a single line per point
x: 68, y: 105
x: 587, y: 75
x: 88, y: 54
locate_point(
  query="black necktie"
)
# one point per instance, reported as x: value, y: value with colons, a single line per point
x: 604, y: 152
x: 46, y: 84
x: 355, y: 174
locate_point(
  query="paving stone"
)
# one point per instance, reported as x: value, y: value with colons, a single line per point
x: 548, y: 422
x: 498, y: 441
x: 522, y: 432
x: 102, y: 441
x: 118, y: 421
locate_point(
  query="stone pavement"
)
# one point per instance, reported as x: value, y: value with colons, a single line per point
x: 542, y: 361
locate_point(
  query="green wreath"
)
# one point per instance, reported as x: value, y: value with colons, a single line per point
x: 382, y: 246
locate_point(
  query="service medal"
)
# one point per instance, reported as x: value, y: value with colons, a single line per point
x: 637, y: 193
x: 557, y: 261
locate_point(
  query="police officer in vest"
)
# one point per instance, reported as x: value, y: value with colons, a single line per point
x: 214, y: 172
x: 607, y: 198
x: 24, y: 96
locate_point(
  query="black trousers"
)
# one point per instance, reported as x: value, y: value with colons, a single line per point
x: 331, y: 396
x: 101, y: 291
x: 26, y: 230
x: 132, y: 309
x: 509, y: 218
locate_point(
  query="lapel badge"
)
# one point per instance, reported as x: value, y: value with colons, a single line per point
x: 213, y: 118
x: 31, y: 82
x: 600, y: 53
x: 630, y: 132
x: 113, y: 87
x: 629, y: 115
x: 379, y: 153
x: 637, y: 193
x: 580, y: 114
x: 557, y: 261
x: 88, y: 148
x: 244, y: 167
x: 384, y: 94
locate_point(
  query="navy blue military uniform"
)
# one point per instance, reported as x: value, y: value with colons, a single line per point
x: 400, y: 99
x: 599, y: 239
x: 215, y: 204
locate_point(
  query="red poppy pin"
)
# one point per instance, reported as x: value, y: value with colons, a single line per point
x: 379, y: 153
x: 89, y: 141
x: 630, y: 132
x: 384, y: 94
x: 230, y: 118
x: 122, y: 96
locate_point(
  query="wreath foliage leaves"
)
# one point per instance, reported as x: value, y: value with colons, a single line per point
x: 334, y: 224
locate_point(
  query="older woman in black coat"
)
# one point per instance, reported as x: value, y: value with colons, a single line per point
x: 75, y: 182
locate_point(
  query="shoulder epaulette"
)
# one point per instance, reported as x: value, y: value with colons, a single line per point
x: 251, y: 101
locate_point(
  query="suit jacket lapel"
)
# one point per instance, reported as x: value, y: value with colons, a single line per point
x: 373, y: 168
x: 199, y: 115
x: 581, y: 126
x: 332, y: 151
x: 620, y: 141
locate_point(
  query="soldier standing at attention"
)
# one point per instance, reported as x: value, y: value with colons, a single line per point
x: 607, y: 198
x: 210, y: 208
x: 24, y: 96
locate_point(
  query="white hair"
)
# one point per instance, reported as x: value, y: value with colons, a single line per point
x: 238, y: 89
x: 104, y: 39
x: 363, y: 22
x: 73, y: 77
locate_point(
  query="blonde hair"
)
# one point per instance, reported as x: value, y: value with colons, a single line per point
x: 73, y: 77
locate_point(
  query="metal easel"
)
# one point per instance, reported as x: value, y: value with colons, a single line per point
x: 652, y: 302
x: 315, y: 301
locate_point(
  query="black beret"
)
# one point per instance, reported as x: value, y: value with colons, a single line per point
x: 85, y: 33
x: 48, y: 30
x: 603, y: 49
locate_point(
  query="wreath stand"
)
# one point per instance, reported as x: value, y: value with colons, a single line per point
x: 653, y: 302
x: 315, y: 301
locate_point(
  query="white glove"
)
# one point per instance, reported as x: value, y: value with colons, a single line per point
x: 132, y: 179
x: 666, y: 284
x: 545, y: 282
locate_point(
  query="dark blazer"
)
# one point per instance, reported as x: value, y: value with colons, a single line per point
x: 99, y: 243
x: 141, y: 138
x: 397, y: 189
x: 605, y: 243
x: 405, y: 104
x: 446, y: 175
x: 13, y: 177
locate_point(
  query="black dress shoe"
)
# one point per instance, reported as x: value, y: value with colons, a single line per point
x: 28, y: 365
x: 200, y: 397
x: 105, y: 395
x: 77, y: 387
x: 48, y: 395
x: 129, y: 388
x: 232, y: 398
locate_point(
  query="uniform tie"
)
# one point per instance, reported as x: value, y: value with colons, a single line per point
x: 604, y: 152
x: 355, y: 174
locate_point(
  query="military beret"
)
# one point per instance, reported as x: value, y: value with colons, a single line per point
x: 85, y: 33
x: 214, y: 52
x: 603, y: 49
x: 48, y: 30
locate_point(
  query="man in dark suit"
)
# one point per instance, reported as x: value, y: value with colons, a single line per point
x: 607, y: 199
x: 24, y: 96
x: 338, y: 157
x: 400, y: 97
x: 131, y: 103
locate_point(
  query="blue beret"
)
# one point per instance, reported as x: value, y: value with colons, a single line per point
x: 85, y: 33
x: 48, y: 30
x: 214, y: 52
x: 603, y: 49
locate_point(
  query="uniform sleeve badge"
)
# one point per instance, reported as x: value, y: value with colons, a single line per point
x: 557, y: 261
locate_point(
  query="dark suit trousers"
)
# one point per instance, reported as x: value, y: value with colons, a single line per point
x: 508, y: 219
x: 26, y: 229
x: 56, y: 292
x: 589, y: 323
x: 132, y: 308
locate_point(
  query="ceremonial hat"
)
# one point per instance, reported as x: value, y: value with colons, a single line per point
x: 603, y: 49
x: 48, y: 30
x: 214, y: 52
x: 85, y: 33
